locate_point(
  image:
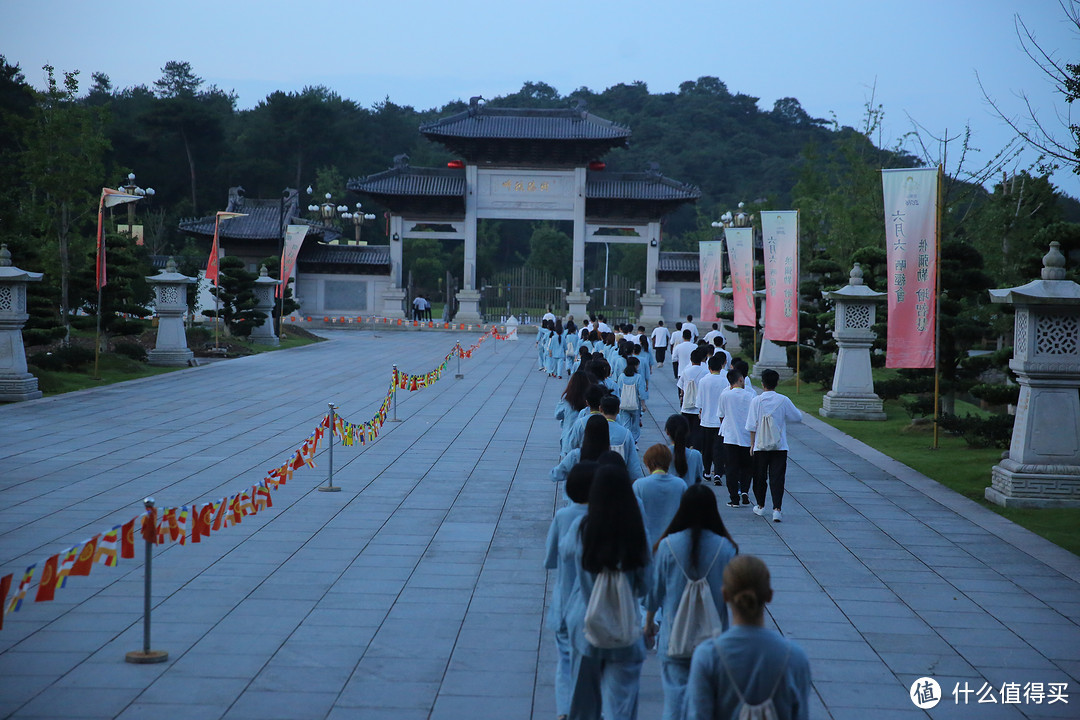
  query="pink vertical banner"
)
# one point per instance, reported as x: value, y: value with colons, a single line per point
x: 294, y: 238
x: 710, y: 271
x: 780, y: 243
x: 740, y: 243
x: 911, y: 245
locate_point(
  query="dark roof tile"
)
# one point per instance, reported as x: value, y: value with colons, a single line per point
x: 525, y: 124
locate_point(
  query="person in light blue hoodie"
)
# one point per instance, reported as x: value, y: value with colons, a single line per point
x: 542, y: 337
x: 577, y: 489
x: 659, y: 492
x: 695, y: 544
x: 749, y: 663
x: 687, y: 461
x: 556, y: 351
x: 569, y: 408
x: 610, y: 536
x: 595, y: 442
x: 630, y: 400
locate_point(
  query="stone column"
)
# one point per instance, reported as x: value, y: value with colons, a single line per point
x: 770, y: 355
x: 170, y: 303
x: 852, y: 396
x: 652, y: 302
x: 394, y: 296
x: 469, y: 296
x: 263, y: 333
x: 16, y: 384
x: 577, y: 299
x: 1042, y: 467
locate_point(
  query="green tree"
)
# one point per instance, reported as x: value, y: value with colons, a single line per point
x: 550, y: 250
x: 62, y: 161
x: 236, y: 297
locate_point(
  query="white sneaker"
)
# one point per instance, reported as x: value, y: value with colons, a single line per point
x: 758, y: 510
x: 776, y: 516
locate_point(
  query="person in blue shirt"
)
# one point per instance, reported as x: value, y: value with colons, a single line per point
x: 556, y: 351
x: 659, y: 492
x: 630, y: 412
x: 569, y: 408
x: 542, y: 337
x: 577, y: 489
x: 610, y: 536
x: 748, y: 664
x: 695, y: 544
x: 687, y: 461
x: 645, y: 358
x: 595, y: 442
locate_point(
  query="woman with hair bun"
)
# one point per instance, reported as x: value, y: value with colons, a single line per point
x: 748, y: 664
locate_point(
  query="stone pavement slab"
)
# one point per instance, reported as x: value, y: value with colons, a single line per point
x: 418, y: 590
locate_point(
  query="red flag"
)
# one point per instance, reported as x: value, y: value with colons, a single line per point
x: 127, y: 539
x: 149, y: 525
x: 85, y: 560
x: 212, y: 263
x: 200, y: 522
x: 106, y: 548
x: 109, y: 198
x: 262, y: 497
x: 47, y: 586
x: 221, y: 515
x: 5, y: 586
x: 247, y: 504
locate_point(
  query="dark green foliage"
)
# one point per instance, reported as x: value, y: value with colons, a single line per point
x: 905, y: 383
x: 133, y: 350
x: 68, y: 357
x: 997, y: 394
x: 818, y: 372
x: 236, y: 295
x: 978, y: 432
x: 919, y: 406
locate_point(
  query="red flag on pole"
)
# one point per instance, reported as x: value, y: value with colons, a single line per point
x: 5, y: 587
x: 212, y: 263
x: 109, y: 198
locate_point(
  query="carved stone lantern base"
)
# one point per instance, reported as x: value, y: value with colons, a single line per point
x: 851, y: 407
x: 17, y: 387
x: 170, y: 358
x: 1034, y: 486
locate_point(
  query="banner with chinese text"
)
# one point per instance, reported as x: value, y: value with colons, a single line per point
x: 710, y: 270
x: 911, y: 246
x: 780, y: 233
x: 740, y: 243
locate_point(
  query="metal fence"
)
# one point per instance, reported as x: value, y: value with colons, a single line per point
x: 618, y: 302
x: 526, y: 293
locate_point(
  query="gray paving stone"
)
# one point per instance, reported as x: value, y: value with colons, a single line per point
x: 418, y: 591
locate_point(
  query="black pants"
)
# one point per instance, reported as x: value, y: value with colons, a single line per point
x: 675, y: 370
x: 661, y: 353
x: 712, y: 450
x: 737, y: 467
x: 693, y: 439
x: 770, y: 467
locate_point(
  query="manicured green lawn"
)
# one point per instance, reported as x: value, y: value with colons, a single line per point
x: 113, y: 369
x: 955, y: 465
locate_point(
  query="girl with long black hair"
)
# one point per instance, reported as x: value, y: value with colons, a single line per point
x: 687, y: 462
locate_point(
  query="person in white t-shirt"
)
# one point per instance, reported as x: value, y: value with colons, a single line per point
x: 681, y: 353
x: 691, y: 410
x: 689, y: 325
x: 770, y: 466
x: 660, y: 337
x: 734, y: 407
x: 708, y: 337
x: 709, y: 388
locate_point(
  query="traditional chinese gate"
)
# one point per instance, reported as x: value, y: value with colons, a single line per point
x: 526, y: 293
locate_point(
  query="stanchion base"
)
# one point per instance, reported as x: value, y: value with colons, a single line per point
x: 394, y: 420
x: 147, y: 658
x: 459, y: 376
x: 329, y: 488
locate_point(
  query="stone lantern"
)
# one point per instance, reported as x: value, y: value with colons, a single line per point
x: 726, y: 303
x: 170, y: 301
x: 1042, y: 467
x: 16, y: 384
x: 770, y: 355
x: 263, y: 333
x: 852, y: 396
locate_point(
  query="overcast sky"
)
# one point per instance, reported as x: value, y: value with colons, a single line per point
x: 919, y: 58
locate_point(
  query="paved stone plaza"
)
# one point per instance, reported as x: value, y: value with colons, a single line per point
x: 418, y: 591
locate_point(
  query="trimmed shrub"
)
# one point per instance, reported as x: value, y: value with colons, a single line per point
x: 820, y: 373
x: 997, y: 394
x: 133, y: 350
x: 919, y: 406
x: 978, y: 432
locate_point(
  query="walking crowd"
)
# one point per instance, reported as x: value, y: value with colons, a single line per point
x: 643, y: 559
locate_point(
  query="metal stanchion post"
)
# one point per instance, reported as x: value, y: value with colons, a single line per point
x: 330, y: 486
x: 395, y: 389
x: 458, y: 376
x: 147, y: 656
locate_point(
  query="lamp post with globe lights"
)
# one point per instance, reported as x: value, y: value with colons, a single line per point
x: 132, y: 188
x: 358, y: 218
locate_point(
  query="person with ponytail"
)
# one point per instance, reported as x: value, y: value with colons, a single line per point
x: 687, y: 462
x: 748, y: 664
x: 569, y: 408
x: 695, y: 544
x: 594, y: 441
x: 556, y: 360
x: 611, y: 536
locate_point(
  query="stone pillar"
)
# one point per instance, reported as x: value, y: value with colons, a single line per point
x: 469, y: 296
x: 852, y: 396
x: 16, y: 384
x: 577, y: 299
x: 170, y: 303
x: 652, y: 303
x: 770, y: 355
x: 263, y: 333
x: 1042, y: 467
x: 394, y: 296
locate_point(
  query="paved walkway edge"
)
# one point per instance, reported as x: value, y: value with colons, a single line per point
x: 1037, y: 546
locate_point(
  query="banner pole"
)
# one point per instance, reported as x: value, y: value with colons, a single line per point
x: 147, y: 656
x: 330, y: 486
x: 458, y: 376
x: 937, y: 311
x: 798, y: 366
x: 394, y: 389
x: 97, y: 337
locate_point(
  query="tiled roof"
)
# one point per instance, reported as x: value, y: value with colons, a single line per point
x: 678, y: 262
x: 345, y: 254
x: 404, y: 180
x: 525, y: 124
x: 637, y: 186
x: 263, y: 219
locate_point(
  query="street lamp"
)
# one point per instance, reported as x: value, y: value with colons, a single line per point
x: 358, y: 218
x: 133, y: 189
x: 739, y: 219
x: 327, y: 211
